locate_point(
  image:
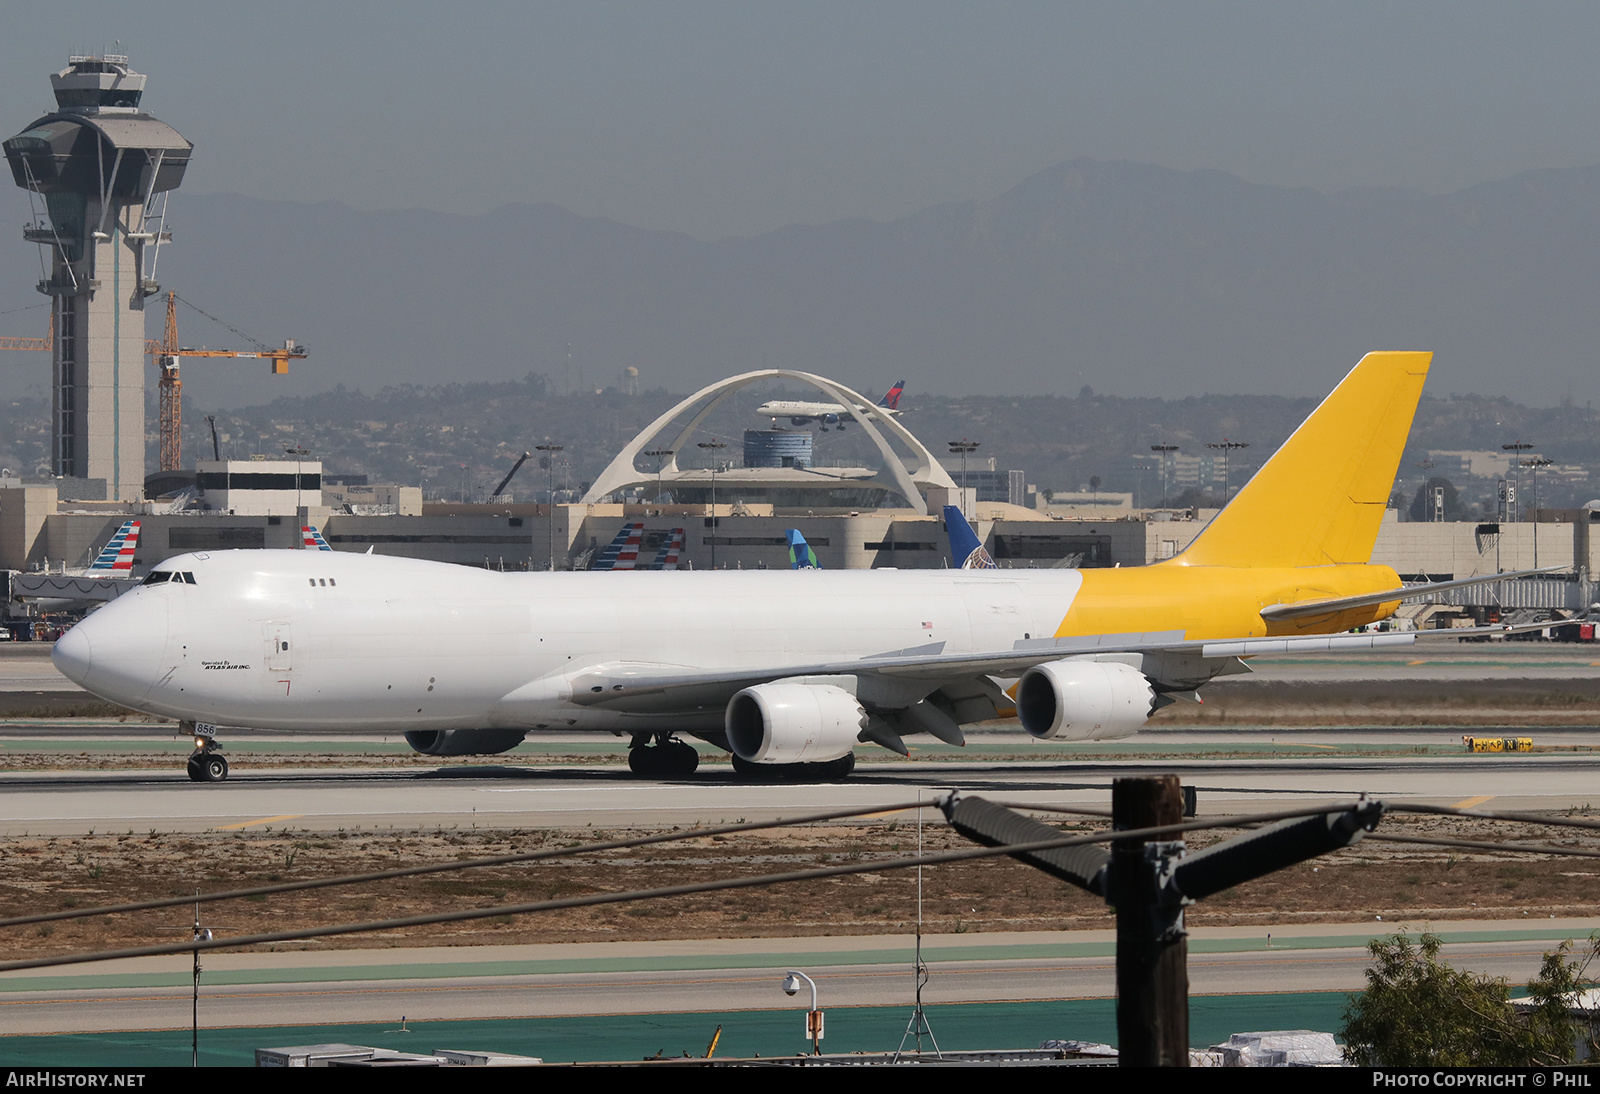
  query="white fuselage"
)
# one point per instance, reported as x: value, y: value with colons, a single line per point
x: 334, y: 641
x: 788, y: 408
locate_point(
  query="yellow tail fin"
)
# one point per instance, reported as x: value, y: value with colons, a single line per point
x: 1320, y: 498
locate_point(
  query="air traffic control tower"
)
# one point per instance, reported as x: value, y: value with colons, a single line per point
x: 102, y: 169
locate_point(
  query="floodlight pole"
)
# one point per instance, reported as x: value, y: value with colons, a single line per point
x: 1163, y: 451
x: 660, y: 455
x: 964, y: 447
x: 1536, y: 463
x: 1228, y: 447
x: 548, y: 457
x: 710, y: 447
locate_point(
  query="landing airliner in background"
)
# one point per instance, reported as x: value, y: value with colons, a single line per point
x: 467, y: 661
x: 826, y: 414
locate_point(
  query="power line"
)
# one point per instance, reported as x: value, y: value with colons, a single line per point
x: 447, y: 867
x: 1524, y: 818
x: 220, y: 322
x: 596, y: 899
x: 1488, y: 845
x: 696, y: 888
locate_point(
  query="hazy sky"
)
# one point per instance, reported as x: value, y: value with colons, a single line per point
x: 722, y: 118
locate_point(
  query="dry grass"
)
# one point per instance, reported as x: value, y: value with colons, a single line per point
x: 1396, y: 881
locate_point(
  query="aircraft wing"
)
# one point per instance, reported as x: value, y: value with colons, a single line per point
x: 651, y: 688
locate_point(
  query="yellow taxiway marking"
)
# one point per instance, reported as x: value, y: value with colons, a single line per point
x: 263, y: 820
x: 1416, y: 662
x: 1471, y: 802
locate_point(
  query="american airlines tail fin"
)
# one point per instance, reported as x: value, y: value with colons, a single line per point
x: 312, y: 539
x: 965, y: 550
x: 801, y: 556
x: 671, y: 551
x: 622, y: 553
x: 116, y: 557
x: 891, y: 398
x: 1320, y: 498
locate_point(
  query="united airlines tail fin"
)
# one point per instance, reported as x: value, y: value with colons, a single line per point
x: 671, y: 551
x: 1320, y: 498
x: 116, y: 557
x: 891, y: 398
x: 312, y: 539
x: 622, y: 553
x: 801, y: 556
x: 965, y: 550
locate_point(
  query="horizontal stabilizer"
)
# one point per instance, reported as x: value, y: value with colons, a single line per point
x: 1304, y: 608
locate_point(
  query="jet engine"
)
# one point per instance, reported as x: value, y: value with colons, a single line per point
x: 1083, y: 700
x: 783, y: 723
x: 464, y: 742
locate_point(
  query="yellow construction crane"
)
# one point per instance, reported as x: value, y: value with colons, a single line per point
x: 166, y: 353
x: 47, y: 343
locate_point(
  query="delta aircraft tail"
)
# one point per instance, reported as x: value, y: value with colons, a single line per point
x: 891, y: 398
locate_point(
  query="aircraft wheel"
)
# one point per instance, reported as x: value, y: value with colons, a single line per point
x: 642, y: 760
x: 752, y: 771
x: 680, y: 759
x: 836, y: 770
x: 213, y: 768
x: 196, y: 769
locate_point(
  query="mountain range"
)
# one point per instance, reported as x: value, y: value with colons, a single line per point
x: 1134, y: 279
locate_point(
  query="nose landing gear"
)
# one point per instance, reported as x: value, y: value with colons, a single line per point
x: 206, y: 762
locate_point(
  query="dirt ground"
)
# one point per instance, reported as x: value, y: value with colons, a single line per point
x: 1402, y: 883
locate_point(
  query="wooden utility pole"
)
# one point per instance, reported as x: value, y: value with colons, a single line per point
x: 1152, y: 950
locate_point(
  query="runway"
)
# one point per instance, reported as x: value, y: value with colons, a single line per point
x: 259, y: 989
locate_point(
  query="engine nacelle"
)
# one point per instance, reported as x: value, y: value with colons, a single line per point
x: 1083, y: 700
x: 464, y: 742
x: 783, y: 723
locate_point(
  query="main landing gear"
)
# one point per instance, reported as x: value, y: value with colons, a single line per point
x: 826, y: 771
x: 206, y: 762
x: 668, y: 758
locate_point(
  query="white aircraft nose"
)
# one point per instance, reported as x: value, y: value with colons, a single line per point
x: 72, y: 656
x: 116, y: 653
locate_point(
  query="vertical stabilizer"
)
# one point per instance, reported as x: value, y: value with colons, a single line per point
x: 801, y: 556
x: 966, y: 553
x: 116, y: 557
x: 1320, y: 498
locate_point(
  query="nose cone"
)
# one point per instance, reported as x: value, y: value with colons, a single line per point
x: 72, y: 655
x: 117, y: 652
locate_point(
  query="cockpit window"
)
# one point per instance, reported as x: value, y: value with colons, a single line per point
x: 188, y: 577
x: 157, y: 577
